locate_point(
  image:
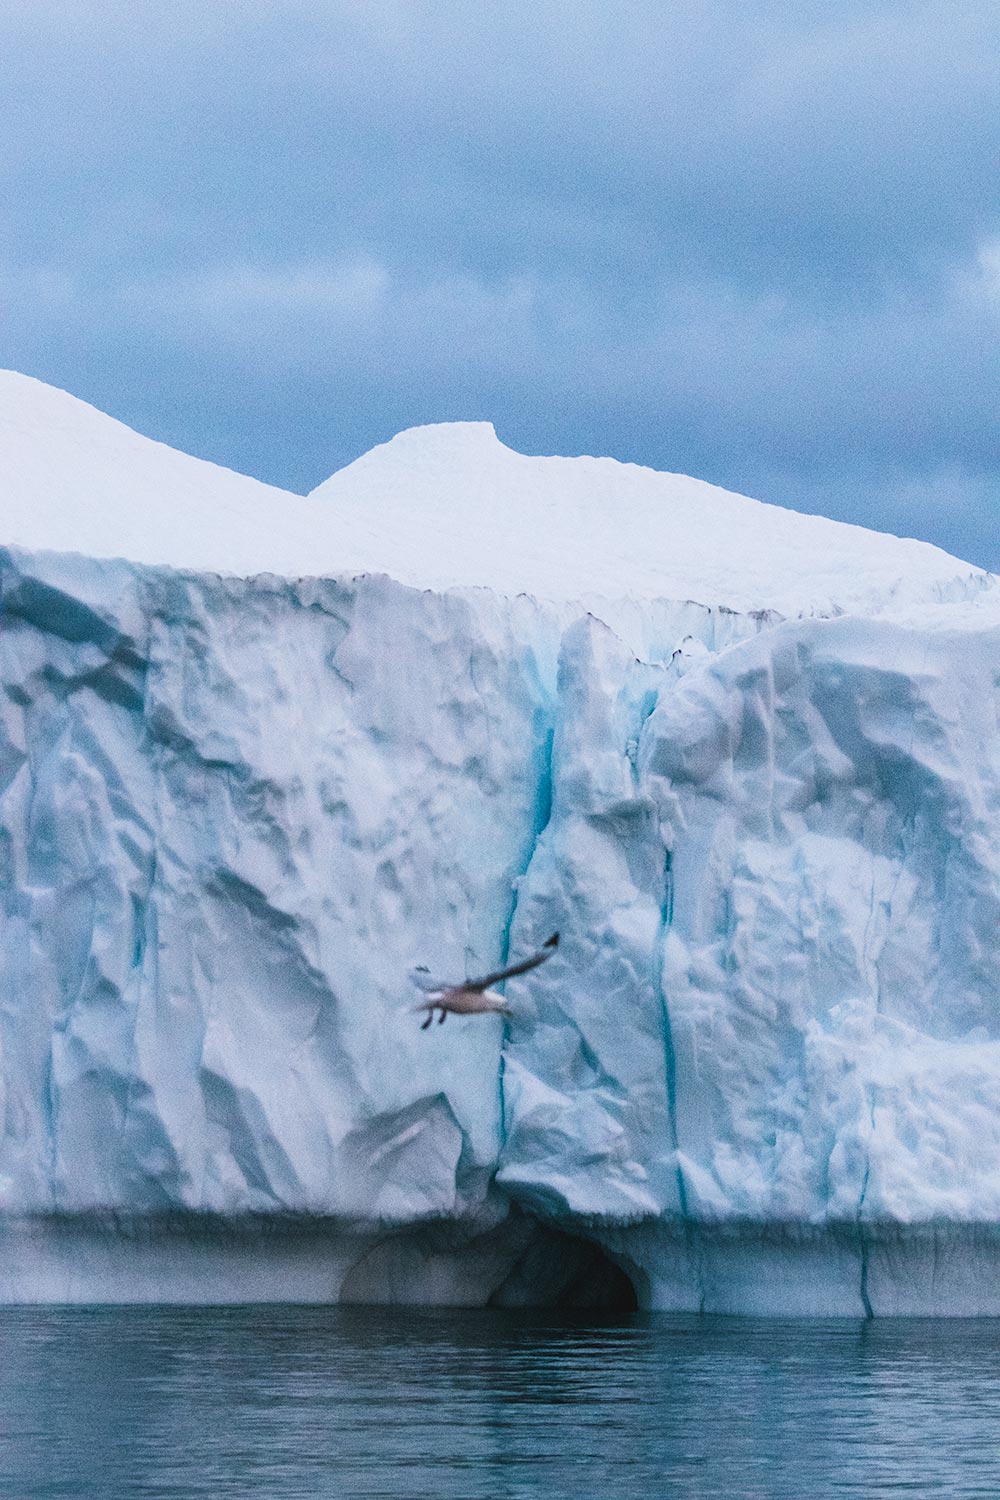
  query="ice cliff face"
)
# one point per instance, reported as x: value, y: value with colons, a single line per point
x: 761, y: 1073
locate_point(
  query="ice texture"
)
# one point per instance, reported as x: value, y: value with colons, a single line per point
x: 758, y: 794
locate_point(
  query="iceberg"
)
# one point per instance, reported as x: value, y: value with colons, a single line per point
x: 261, y: 753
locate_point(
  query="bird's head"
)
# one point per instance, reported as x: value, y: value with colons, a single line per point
x: 419, y: 976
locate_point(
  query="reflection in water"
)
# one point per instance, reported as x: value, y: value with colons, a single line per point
x: 112, y: 1403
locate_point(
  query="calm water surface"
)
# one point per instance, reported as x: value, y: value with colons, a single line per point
x: 111, y: 1403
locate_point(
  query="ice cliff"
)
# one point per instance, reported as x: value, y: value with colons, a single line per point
x: 260, y: 753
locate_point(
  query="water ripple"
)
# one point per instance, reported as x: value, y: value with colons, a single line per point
x: 192, y: 1403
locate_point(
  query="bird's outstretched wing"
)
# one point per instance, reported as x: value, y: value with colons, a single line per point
x: 546, y: 951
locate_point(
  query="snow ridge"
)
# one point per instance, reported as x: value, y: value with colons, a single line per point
x: 448, y: 506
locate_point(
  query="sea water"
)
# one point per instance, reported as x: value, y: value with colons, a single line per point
x: 282, y: 1402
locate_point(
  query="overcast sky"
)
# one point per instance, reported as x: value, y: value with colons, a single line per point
x: 753, y: 240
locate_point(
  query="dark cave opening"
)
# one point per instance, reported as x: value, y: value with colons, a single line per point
x: 564, y: 1271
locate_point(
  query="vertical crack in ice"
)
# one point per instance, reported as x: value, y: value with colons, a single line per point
x: 670, y: 1071
x: 670, y: 1056
x: 872, y: 964
x: 871, y: 960
x: 863, y: 1247
x: 860, y: 1223
x: 666, y: 918
x: 542, y: 815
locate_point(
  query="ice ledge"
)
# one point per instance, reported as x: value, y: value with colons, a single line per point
x: 835, y: 1270
x: 761, y: 1270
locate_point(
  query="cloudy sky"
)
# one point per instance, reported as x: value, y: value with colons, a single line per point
x: 753, y: 240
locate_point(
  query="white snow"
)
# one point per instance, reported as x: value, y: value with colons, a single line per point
x: 450, y: 505
x: 763, y: 1069
x: 75, y: 480
x: 440, y: 507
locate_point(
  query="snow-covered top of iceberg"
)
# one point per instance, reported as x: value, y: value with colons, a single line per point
x: 75, y: 480
x: 444, y: 506
x: 450, y: 504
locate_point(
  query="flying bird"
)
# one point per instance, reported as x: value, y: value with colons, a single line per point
x: 475, y: 997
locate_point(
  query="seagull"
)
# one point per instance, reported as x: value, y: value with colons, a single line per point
x: 474, y: 997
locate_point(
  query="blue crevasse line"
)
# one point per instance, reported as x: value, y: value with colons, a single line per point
x: 670, y: 1055
x: 863, y: 1247
x: 540, y: 821
x: 862, y: 1239
x: 138, y: 930
x: 670, y: 1070
x: 648, y: 705
x: 543, y: 796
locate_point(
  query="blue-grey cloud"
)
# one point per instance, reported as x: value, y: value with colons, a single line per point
x: 758, y: 243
